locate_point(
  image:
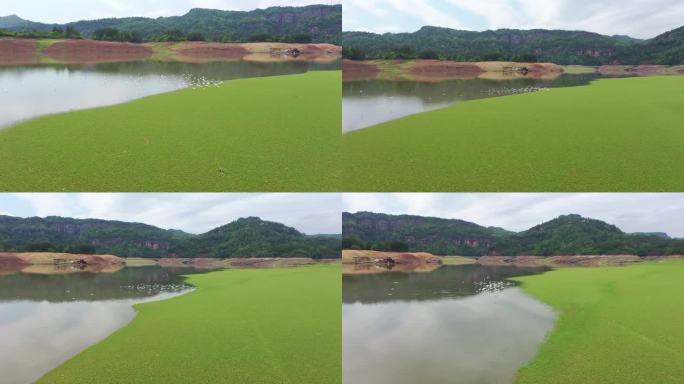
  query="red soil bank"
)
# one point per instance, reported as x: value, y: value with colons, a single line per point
x: 18, y: 51
x: 444, y: 69
x: 11, y: 260
x: 202, y: 50
x: 358, y: 70
x: 91, y: 51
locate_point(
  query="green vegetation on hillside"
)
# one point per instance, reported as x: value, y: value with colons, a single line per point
x: 561, y: 47
x: 565, y: 235
x: 277, y: 133
x: 316, y: 23
x: 612, y: 135
x: 55, y: 33
x: 257, y: 238
x: 616, y: 325
x: 247, y: 237
x: 239, y: 326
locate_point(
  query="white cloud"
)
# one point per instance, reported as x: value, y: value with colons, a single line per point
x: 194, y: 212
x: 519, y: 211
x: 638, y: 18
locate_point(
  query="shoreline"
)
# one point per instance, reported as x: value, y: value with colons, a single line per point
x: 431, y: 71
x: 21, y: 51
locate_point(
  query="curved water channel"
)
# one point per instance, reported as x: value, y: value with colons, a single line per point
x: 47, y: 319
x: 458, y: 325
x: 37, y: 90
x: 371, y: 102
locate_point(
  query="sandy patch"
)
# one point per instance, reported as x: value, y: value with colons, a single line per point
x: 374, y: 257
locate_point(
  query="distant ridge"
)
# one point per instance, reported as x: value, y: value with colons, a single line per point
x: 322, y: 22
x: 565, y: 235
x: 556, y: 46
x: 247, y: 237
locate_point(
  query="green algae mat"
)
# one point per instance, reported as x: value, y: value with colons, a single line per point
x: 239, y: 326
x: 613, y: 135
x: 617, y: 325
x: 268, y: 134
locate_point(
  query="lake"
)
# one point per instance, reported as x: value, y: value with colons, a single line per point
x: 47, y: 319
x: 458, y: 325
x: 31, y: 91
x: 371, y: 102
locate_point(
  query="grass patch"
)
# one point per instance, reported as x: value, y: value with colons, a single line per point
x: 240, y: 326
x: 617, y: 325
x: 277, y: 133
x: 458, y: 260
x: 613, y: 135
x: 165, y: 51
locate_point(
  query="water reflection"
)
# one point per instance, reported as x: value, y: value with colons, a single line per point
x: 31, y: 91
x: 462, y: 325
x: 47, y: 319
x: 371, y: 102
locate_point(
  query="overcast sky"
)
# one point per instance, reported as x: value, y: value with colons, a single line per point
x: 658, y: 212
x: 64, y: 11
x: 637, y: 18
x: 311, y: 213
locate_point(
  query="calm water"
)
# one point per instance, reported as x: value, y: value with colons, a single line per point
x: 367, y: 103
x: 30, y: 91
x: 457, y: 325
x: 47, y: 319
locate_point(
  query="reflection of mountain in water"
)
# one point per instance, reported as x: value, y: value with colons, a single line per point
x: 138, y: 282
x: 446, y: 282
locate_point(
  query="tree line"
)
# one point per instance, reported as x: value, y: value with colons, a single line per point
x: 408, y: 53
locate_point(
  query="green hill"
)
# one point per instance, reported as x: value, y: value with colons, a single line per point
x: 557, y: 46
x: 254, y: 237
x: 242, y: 238
x: 416, y: 233
x: 565, y: 235
x: 317, y: 23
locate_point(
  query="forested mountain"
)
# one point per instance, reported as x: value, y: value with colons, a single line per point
x: 565, y: 235
x: 557, y: 46
x: 255, y: 237
x: 417, y: 233
x: 251, y: 237
x: 317, y: 23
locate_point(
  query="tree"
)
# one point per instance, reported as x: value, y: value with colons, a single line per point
x: 72, y: 33
x: 260, y: 38
x: 353, y: 53
x: 196, y: 36
x: 428, y: 54
x: 41, y: 247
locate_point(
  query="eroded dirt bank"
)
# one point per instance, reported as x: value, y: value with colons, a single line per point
x: 399, y: 258
x: 84, y: 51
x: 367, y: 262
x: 57, y: 263
x: 255, y: 262
x: 568, y: 261
x: 18, y: 51
x: 91, y: 51
x: 441, y: 70
x: 358, y: 70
